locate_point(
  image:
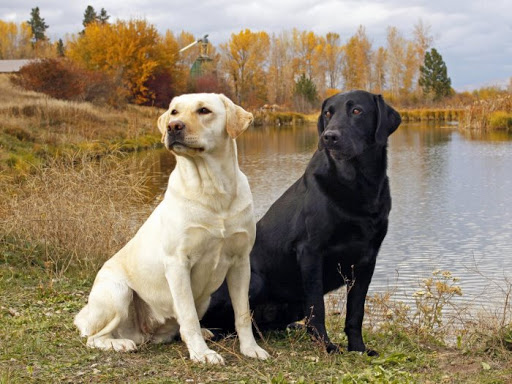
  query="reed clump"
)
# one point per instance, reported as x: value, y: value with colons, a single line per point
x: 411, y: 115
x: 489, y: 114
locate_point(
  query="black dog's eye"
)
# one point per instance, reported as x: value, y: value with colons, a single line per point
x: 328, y: 114
x: 174, y: 112
x: 204, y: 111
x: 356, y: 111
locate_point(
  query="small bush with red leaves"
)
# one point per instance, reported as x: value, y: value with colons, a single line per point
x: 63, y: 79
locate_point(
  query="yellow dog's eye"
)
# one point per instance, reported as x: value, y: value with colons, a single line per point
x: 204, y: 111
x: 174, y: 112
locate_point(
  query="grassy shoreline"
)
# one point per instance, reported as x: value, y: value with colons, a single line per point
x: 40, y: 344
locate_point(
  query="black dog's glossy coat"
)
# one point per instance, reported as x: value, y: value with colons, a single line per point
x: 326, y: 229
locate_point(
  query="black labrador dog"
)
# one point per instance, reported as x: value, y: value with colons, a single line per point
x: 325, y: 231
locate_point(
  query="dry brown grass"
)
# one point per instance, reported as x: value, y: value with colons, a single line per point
x: 494, y: 113
x: 75, y: 212
x: 36, y: 128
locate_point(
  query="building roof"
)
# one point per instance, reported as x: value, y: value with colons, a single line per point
x: 7, y: 66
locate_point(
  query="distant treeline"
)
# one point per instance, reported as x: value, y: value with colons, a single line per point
x: 131, y: 61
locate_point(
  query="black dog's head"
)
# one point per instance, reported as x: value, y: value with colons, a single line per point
x: 354, y: 121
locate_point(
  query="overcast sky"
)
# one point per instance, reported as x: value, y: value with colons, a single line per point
x: 474, y: 37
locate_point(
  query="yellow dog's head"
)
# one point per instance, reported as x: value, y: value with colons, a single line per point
x: 199, y: 122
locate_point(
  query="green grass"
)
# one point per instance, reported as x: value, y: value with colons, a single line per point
x: 40, y: 344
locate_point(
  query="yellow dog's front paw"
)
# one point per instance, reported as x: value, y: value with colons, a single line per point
x: 208, y: 356
x: 118, y: 345
x: 255, y: 351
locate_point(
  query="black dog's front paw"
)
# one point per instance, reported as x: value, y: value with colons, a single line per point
x: 296, y: 326
x: 332, y: 348
x: 366, y: 351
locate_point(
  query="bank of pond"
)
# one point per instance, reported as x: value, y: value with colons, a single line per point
x: 470, y: 118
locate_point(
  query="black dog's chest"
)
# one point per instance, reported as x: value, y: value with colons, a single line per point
x: 352, y: 244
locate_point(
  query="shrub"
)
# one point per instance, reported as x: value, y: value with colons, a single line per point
x: 62, y: 79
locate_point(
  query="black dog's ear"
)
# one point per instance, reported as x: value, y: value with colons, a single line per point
x: 321, y: 126
x: 388, y: 121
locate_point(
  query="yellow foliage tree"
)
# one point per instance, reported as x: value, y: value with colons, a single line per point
x: 168, y: 58
x: 379, y: 70
x: 356, y: 68
x: 396, y: 46
x: 306, y: 49
x: 280, y: 84
x: 128, y: 50
x: 244, y: 58
x: 410, y: 68
x: 333, y: 53
x: 15, y: 41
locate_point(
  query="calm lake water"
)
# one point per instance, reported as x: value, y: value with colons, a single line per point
x: 452, y: 202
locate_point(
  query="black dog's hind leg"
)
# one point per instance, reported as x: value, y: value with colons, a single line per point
x: 357, y: 287
x: 311, y: 272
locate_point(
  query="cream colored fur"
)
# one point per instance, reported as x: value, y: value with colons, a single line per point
x: 160, y: 283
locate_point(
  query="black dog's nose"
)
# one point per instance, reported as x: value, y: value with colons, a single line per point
x: 176, y: 125
x: 330, y: 137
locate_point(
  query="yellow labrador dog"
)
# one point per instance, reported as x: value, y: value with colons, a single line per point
x: 160, y: 283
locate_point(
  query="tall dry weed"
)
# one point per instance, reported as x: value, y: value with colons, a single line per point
x: 478, y: 116
x: 74, y: 212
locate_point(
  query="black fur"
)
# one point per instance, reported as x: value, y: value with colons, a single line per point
x: 325, y: 231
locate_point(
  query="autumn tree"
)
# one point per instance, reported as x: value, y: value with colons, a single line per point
x: 379, y: 70
x: 305, y: 52
x: 280, y: 76
x: 244, y: 59
x: 168, y: 78
x: 395, y: 59
x: 356, y: 67
x: 422, y: 39
x: 15, y: 41
x: 434, y: 78
x: 410, y: 68
x: 127, y: 50
x: 332, y: 55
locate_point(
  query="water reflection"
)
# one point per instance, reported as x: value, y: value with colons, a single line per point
x: 451, y: 200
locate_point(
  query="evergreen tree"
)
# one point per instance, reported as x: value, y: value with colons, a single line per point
x: 103, y: 16
x: 89, y: 15
x: 306, y: 94
x: 434, y: 78
x: 60, y: 48
x: 37, y: 25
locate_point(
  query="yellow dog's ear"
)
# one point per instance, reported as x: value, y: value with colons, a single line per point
x: 163, y: 121
x: 237, y: 118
